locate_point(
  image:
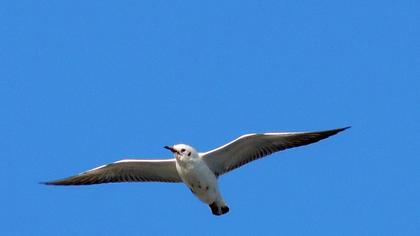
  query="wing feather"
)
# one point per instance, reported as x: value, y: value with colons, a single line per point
x: 251, y: 147
x: 130, y: 170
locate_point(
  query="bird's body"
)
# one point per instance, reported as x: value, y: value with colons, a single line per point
x: 202, y: 182
x: 198, y: 171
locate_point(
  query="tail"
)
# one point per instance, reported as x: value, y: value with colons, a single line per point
x: 218, y: 209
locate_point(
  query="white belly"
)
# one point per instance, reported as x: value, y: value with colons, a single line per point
x: 199, y: 179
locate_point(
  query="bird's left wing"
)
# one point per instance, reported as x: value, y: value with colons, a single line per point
x: 129, y: 170
x: 254, y: 146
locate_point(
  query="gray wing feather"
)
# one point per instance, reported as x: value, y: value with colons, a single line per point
x: 254, y: 146
x: 125, y: 171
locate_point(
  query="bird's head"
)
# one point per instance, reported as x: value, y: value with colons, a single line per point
x: 183, y: 150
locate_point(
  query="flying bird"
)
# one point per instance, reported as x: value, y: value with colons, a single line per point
x: 198, y: 171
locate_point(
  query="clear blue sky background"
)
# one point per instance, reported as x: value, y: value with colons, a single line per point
x: 84, y: 83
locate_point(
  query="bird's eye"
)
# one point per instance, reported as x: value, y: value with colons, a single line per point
x: 189, y: 154
x: 183, y: 150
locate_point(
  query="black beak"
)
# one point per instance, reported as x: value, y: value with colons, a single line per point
x: 171, y: 149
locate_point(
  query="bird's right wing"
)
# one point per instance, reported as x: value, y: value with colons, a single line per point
x: 129, y: 170
x: 251, y: 147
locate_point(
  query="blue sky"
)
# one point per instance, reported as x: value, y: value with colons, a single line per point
x: 84, y: 83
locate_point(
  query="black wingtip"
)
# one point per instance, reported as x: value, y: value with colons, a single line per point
x: 342, y: 129
x: 54, y: 182
x: 335, y: 131
x: 328, y: 133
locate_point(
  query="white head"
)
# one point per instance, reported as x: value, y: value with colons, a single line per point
x: 183, y: 150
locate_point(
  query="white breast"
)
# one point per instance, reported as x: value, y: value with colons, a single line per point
x: 199, y: 179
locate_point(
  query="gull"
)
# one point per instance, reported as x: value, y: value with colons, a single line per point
x: 198, y: 171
